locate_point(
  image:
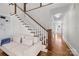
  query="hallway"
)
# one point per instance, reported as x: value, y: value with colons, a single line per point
x: 25, y: 23
x: 57, y: 48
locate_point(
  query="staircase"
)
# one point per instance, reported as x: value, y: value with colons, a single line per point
x: 18, y: 28
x: 35, y: 29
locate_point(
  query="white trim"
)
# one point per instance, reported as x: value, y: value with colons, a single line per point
x: 44, y: 48
x: 71, y: 48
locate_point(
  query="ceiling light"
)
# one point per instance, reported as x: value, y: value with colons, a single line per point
x: 58, y: 15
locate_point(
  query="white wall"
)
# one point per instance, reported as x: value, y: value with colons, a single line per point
x: 4, y: 9
x: 43, y: 15
x: 71, y: 27
x: 21, y: 5
x: 5, y: 28
x: 30, y: 6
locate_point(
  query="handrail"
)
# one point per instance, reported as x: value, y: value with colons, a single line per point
x: 32, y: 18
x: 39, y: 7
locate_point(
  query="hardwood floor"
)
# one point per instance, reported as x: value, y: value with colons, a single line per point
x: 57, y: 48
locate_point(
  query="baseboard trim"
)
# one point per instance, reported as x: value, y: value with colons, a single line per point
x: 44, y: 48
x: 71, y: 48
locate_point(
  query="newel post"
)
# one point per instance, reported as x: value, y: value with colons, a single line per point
x: 14, y: 8
x: 40, y: 4
x: 24, y: 7
x: 49, y: 38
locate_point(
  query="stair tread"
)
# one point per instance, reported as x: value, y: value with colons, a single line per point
x: 36, y: 36
x: 26, y: 26
x: 32, y: 32
x: 20, y: 19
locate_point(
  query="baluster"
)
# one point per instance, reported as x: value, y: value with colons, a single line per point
x: 40, y: 36
x: 45, y: 37
x: 44, y: 34
x: 38, y: 31
x: 34, y: 28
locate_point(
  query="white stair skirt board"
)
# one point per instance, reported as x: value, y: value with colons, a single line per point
x: 71, y: 48
x: 44, y: 48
